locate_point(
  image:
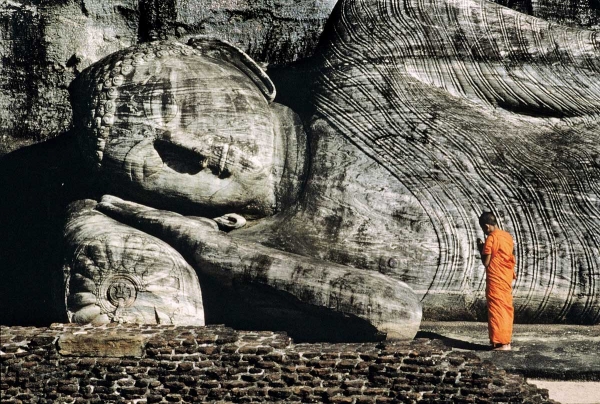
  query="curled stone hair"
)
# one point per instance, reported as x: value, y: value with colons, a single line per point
x: 95, y: 92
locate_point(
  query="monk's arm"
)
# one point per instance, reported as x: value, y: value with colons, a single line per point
x: 485, y: 259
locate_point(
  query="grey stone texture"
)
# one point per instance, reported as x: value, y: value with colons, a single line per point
x: 217, y: 364
x: 543, y: 351
x: 43, y: 48
x: 577, y: 13
x: 113, y: 345
x: 46, y: 44
x: 467, y: 106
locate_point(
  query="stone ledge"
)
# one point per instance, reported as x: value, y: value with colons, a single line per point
x: 218, y: 364
x: 114, y: 345
x: 547, y: 351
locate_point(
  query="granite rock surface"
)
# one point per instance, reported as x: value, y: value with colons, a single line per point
x: 46, y: 44
x: 465, y: 106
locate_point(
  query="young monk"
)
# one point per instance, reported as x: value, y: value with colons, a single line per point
x: 499, y: 261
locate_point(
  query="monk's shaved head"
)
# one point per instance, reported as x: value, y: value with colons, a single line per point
x: 487, y: 218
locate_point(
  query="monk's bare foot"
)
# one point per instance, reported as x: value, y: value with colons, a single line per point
x: 501, y: 347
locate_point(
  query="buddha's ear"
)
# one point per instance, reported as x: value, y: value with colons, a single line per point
x: 218, y: 49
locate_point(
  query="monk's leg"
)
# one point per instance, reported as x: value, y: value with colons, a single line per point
x: 500, y: 318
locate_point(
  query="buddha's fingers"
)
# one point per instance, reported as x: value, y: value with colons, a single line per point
x: 169, y: 226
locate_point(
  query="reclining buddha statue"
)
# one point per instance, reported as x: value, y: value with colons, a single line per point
x: 192, y: 128
x: 421, y: 115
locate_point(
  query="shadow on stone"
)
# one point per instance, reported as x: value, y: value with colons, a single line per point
x: 258, y: 307
x: 36, y: 184
x: 453, y: 342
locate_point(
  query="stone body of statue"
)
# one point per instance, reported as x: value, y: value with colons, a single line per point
x: 427, y: 113
x: 192, y: 128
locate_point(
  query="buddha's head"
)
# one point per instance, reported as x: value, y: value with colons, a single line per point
x: 183, y: 127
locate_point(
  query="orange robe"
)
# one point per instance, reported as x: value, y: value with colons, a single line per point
x: 499, y: 276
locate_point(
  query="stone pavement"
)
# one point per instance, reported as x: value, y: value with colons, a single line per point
x: 545, y: 351
x: 162, y: 364
x: 447, y: 363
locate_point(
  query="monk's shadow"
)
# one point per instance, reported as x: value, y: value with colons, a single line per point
x: 453, y: 342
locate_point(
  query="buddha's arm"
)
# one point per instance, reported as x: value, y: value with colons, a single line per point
x: 388, y: 304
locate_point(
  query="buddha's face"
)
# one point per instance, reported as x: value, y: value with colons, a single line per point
x: 186, y: 130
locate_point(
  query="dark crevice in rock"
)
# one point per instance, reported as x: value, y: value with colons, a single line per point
x: 154, y: 19
x: 37, y: 183
x: 84, y: 9
x: 581, y: 13
x: 253, y: 306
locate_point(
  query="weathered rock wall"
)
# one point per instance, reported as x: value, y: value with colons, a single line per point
x: 21, y: 79
x: 46, y: 44
x: 583, y: 13
x: 215, y: 364
x: 269, y: 31
x: 43, y: 48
